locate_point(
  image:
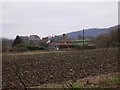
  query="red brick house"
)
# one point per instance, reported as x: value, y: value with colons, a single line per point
x: 65, y: 42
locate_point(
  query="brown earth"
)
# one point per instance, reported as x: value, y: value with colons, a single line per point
x: 94, y: 82
x: 55, y: 67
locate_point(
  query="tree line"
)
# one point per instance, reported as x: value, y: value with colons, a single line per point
x: 107, y: 40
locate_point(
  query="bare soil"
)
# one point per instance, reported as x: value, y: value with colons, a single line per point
x: 55, y: 67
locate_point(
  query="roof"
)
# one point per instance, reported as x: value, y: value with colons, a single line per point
x: 65, y: 41
x: 82, y: 40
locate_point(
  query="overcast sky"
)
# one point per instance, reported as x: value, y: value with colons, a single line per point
x: 47, y: 18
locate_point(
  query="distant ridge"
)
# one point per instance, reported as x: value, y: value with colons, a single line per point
x: 92, y: 32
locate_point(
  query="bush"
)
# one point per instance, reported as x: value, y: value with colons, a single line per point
x: 35, y: 48
x: 17, y: 42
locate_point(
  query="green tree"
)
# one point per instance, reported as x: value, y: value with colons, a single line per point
x: 17, y: 42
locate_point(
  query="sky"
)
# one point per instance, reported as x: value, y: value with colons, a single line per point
x: 47, y: 18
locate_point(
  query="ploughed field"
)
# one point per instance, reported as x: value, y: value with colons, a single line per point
x: 54, y: 67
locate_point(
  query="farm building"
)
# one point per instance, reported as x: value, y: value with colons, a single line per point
x: 69, y: 43
x: 61, y: 44
x: 65, y: 44
x: 80, y: 42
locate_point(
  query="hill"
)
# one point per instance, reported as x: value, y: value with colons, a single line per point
x: 92, y: 32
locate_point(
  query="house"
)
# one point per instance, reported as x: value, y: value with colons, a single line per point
x: 65, y: 42
x: 34, y: 38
